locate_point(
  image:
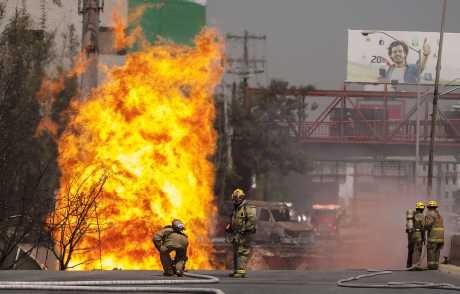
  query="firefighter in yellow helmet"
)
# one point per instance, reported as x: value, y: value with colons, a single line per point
x: 171, y: 238
x: 434, y: 226
x: 417, y: 235
x: 240, y: 229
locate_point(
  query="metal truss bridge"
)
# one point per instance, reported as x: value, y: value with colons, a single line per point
x: 374, y: 117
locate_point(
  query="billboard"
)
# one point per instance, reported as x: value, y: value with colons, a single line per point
x: 401, y: 57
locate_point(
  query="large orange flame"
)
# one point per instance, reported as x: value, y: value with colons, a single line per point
x: 150, y: 128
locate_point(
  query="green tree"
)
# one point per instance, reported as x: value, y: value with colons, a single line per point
x: 28, y: 166
x: 23, y: 54
x: 266, y: 130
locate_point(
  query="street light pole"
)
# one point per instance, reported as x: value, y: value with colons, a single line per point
x: 435, y: 102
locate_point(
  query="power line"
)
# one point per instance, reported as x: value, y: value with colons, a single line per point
x: 244, y: 66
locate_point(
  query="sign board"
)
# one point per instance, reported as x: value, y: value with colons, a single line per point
x: 401, y: 57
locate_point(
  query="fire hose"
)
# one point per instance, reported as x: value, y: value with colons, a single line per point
x: 117, y: 285
x: 394, y: 285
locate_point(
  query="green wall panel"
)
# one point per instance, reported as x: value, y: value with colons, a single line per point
x: 177, y: 20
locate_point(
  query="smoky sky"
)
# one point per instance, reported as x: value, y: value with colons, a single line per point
x: 307, y: 39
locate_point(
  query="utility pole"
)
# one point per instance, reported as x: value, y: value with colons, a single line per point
x: 435, y: 102
x: 43, y: 17
x: 90, y: 10
x: 226, y: 164
x: 244, y: 66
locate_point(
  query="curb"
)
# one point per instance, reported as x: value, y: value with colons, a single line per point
x: 449, y: 269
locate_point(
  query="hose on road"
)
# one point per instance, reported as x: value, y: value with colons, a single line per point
x: 395, y: 285
x: 118, y: 285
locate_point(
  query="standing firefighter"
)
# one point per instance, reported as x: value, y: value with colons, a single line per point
x: 240, y: 229
x: 171, y: 238
x: 410, y: 232
x: 435, y: 230
x: 418, y: 235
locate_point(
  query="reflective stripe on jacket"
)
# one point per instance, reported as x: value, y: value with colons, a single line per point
x: 243, y: 218
x: 435, y: 226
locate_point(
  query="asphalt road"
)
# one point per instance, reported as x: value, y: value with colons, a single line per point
x: 266, y: 282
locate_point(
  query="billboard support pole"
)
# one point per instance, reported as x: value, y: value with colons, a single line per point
x: 435, y: 102
x: 385, y: 113
x: 417, y: 123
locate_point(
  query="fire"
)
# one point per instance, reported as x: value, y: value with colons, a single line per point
x: 148, y: 130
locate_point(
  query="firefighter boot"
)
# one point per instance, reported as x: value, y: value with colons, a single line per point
x: 241, y: 262
x: 166, y: 262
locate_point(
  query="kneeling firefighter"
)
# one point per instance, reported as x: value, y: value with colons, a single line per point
x: 434, y: 225
x: 171, y: 238
x: 240, y: 229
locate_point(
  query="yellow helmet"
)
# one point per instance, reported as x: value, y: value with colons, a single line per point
x: 432, y: 203
x: 420, y: 205
x: 238, y: 195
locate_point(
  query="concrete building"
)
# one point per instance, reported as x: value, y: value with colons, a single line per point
x: 177, y: 20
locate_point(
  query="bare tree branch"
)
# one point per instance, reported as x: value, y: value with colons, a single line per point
x: 76, y: 214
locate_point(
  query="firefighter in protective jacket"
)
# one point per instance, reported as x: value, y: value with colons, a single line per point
x: 434, y: 225
x: 240, y: 229
x: 418, y: 235
x: 171, y: 238
x: 410, y: 232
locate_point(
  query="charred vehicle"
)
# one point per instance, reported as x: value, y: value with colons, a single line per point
x: 278, y: 224
x: 281, y: 241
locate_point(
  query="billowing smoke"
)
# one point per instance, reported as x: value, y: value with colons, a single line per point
x: 373, y: 235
